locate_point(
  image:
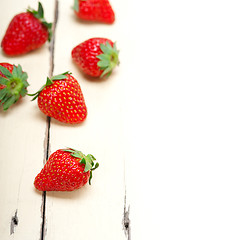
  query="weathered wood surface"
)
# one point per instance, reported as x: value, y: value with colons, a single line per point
x: 164, y: 127
x: 29, y: 137
x: 23, y: 132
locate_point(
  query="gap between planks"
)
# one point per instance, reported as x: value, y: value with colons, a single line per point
x: 48, y: 121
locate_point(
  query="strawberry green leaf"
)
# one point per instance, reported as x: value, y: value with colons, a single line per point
x: 3, y: 81
x: 104, y: 57
x: 49, y: 82
x: 14, y: 72
x: 5, y: 72
x: 60, y: 76
x: 108, y: 59
x: 106, y: 48
x: 103, y: 64
x: 78, y: 154
x: 88, y: 160
x: 8, y: 102
x: 76, y: 5
x: 91, y: 156
x: 39, y: 14
x: 15, y: 85
x: 40, y: 10
x: 107, y: 71
x: 24, y: 78
x: 3, y: 93
x: 88, y: 164
x: 71, y: 150
x: 19, y: 70
x: 23, y: 92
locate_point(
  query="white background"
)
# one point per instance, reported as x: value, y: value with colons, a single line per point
x: 185, y: 124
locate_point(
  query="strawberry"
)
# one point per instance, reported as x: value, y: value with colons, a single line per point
x: 66, y: 170
x: 61, y: 98
x: 13, y: 84
x: 96, y: 57
x: 27, y: 31
x: 94, y: 10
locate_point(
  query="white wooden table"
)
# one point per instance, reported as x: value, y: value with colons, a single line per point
x: 164, y: 127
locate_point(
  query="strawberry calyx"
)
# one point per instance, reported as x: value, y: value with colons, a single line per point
x: 39, y: 14
x: 88, y: 160
x: 108, y: 59
x: 76, y: 5
x: 15, y: 85
x: 49, y: 82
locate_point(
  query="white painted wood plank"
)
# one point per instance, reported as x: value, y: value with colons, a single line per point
x: 22, y: 138
x: 96, y: 210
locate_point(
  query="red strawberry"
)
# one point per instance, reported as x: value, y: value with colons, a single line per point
x: 61, y: 98
x: 13, y: 84
x: 94, y: 10
x: 66, y: 170
x: 96, y: 57
x: 27, y: 31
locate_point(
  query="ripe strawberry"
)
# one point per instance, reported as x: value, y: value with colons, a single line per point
x: 61, y: 98
x: 13, y: 84
x: 66, y: 170
x: 96, y: 57
x: 94, y: 10
x: 27, y: 31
